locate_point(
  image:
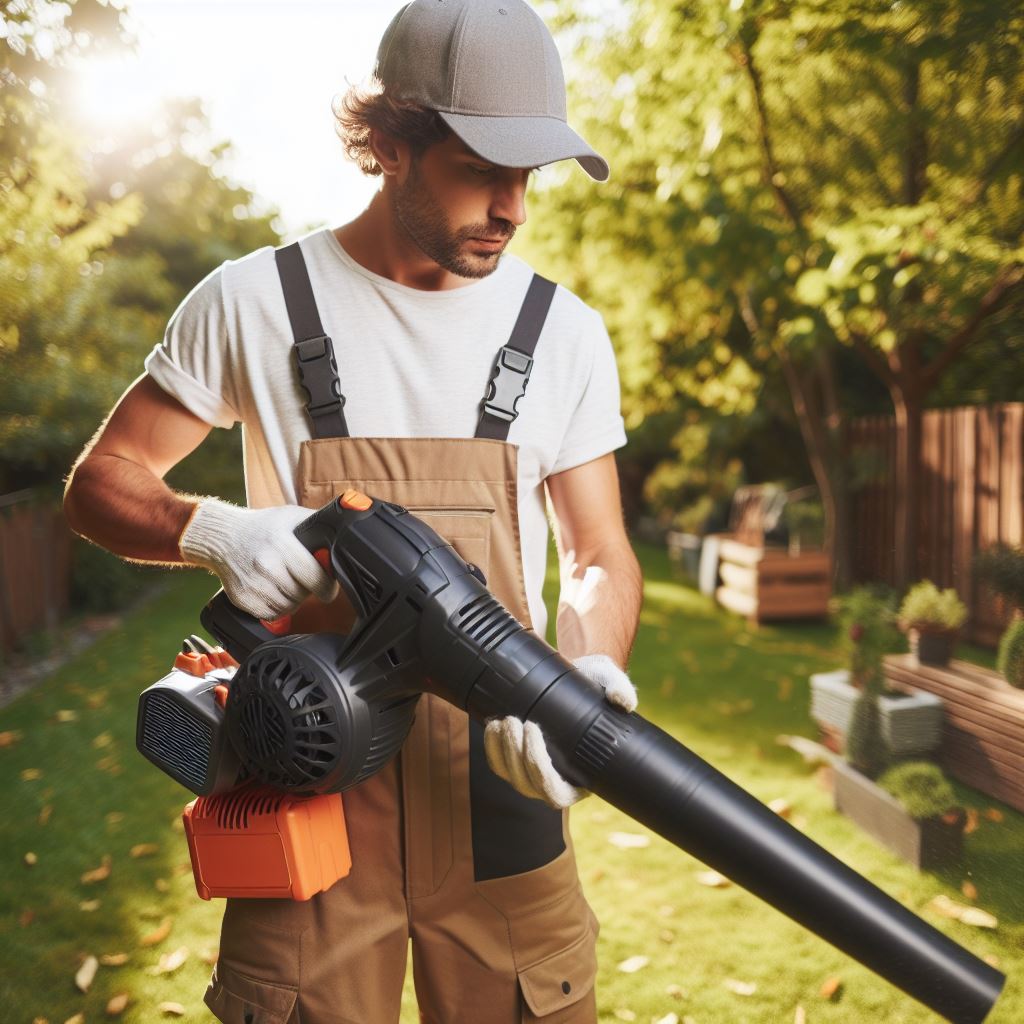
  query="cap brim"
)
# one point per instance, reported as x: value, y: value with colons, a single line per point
x: 525, y: 141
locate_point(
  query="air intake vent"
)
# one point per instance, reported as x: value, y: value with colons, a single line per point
x: 486, y: 622
x: 177, y: 739
x: 233, y: 810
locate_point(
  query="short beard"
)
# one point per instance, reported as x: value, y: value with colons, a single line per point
x: 426, y: 224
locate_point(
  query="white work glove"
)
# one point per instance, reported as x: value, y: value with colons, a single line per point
x: 516, y: 751
x: 264, y: 568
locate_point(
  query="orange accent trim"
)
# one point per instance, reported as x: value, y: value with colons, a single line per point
x: 355, y: 500
x: 194, y: 664
x: 220, y: 694
x: 323, y: 556
x: 279, y: 626
x: 223, y: 659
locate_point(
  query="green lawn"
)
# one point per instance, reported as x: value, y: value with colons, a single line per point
x: 725, y: 691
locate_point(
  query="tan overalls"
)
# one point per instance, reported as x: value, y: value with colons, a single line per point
x: 482, y: 879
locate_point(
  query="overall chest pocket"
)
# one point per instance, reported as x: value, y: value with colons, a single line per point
x: 468, y: 530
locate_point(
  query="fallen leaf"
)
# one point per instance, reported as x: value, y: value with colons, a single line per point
x: 946, y: 907
x: 969, y: 889
x: 98, y: 874
x: 172, y: 1009
x: 994, y: 814
x: 991, y: 959
x: 144, y: 850
x: 676, y: 991
x: 633, y: 964
x: 181, y: 869
x: 629, y: 840
x: 31, y: 859
x: 85, y: 973
x: 25, y: 917
x: 40, y: 1020
x: 971, y: 823
x: 102, y: 741
x: 89, y: 905
x: 114, y: 959
x: 713, y: 880
x: 209, y: 956
x: 669, y: 1018
x: 114, y: 818
x: 666, y: 910
x: 831, y: 988
x: 785, y: 688
x: 9, y: 737
x: 159, y: 934
x: 978, y: 918
x: 66, y: 715
x: 170, y: 962
x: 667, y: 935
x: 741, y: 988
x: 30, y: 774
x: 623, y: 1014
x: 781, y: 806
x: 799, y: 1017
x: 116, y: 1004
x: 79, y: 1018
x: 162, y: 885
x: 44, y: 813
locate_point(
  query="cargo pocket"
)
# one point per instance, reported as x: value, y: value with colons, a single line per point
x: 235, y: 998
x: 560, y: 980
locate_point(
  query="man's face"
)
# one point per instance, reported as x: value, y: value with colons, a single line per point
x: 460, y: 210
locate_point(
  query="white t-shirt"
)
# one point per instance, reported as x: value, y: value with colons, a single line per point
x: 412, y: 363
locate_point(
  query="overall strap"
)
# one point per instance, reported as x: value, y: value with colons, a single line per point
x: 314, y: 353
x: 514, y: 362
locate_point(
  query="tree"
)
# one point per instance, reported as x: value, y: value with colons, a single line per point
x: 796, y: 188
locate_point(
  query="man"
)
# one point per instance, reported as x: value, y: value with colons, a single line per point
x: 357, y: 358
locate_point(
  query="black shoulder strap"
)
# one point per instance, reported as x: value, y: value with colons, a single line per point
x: 314, y: 352
x: 514, y: 362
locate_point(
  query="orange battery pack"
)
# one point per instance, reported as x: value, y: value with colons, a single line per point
x: 256, y: 841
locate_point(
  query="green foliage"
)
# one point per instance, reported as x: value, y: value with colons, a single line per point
x: 927, y: 608
x: 1002, y: 567
x: 921, y: 787
x: 867, y: 631
x: 102, y: 582
x: 1010, y: 660
x: 866, y: 748
x: 803, y: 196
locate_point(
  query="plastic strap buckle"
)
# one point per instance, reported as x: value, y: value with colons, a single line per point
x: 318, y: 374
x: 508, y: 383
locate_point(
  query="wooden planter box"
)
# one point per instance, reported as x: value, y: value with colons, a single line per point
x: 983, y: 739
x: 911, y: 723
x: 927, y: 844
x: 770, y: 583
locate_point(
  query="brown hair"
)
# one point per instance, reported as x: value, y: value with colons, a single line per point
x: 361, y: 109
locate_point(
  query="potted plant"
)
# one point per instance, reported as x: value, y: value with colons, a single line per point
x: 910, y: 724
x: 1002, y: 567
x: 932, y: 618
x: 910, y: 809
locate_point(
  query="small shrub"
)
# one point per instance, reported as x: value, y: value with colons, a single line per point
x: 866, y: 749
x: 1002, y: 567
x: 926, y: 608
x: 867, y: 631
x: 1010, y: 660
x: 920, y: 787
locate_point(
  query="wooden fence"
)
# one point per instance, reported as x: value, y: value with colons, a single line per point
x: 972, y: 496
x: 35, y: 565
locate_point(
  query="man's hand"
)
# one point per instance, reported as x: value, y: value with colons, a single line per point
x: 516, y: 751
x: 264, y: 568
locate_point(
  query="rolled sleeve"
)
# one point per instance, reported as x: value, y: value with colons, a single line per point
x: 192, y: 362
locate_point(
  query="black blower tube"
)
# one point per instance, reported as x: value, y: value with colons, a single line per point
x: 418, y: 602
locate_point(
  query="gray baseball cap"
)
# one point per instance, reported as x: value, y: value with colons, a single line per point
x: 491, y: 70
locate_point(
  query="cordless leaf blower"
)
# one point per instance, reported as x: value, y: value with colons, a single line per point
x: 309, y: 716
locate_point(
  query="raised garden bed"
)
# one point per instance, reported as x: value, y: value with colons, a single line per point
x: 928, y: 843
